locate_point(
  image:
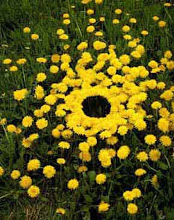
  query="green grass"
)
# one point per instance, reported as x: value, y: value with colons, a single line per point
x: 45, y: 17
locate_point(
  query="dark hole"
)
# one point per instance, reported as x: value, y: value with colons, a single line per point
x: 96, y: 106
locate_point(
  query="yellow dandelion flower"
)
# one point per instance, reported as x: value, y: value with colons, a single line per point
x: 25, y: 182
x: 154, y: 154
x: 34, y: 36
x: 15, y: 174
x: 140, y: 172
x: 132, y: 208
x: 27, y: 121
x: 1, y: 171
x: 49, y: 171
x: 150, y: 139
x: 33, y: 191
x: 41, y: 123
x: 100, y: 178
x: 73, y: 184
x: 33, y: 165
x: 123, y: 152
x: 103, y: 206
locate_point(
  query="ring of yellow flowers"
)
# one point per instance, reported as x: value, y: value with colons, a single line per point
x: 78, y: 120
x: 82, y: 124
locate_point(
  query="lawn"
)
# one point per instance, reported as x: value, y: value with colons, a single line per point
x: 86, y: 110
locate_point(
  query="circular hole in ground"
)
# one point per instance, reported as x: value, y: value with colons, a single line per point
x: 96, y: 106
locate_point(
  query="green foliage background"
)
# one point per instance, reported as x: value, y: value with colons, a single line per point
x: 44, y: 17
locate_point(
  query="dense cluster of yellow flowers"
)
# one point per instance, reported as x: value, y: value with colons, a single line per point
x: 120, y: 81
